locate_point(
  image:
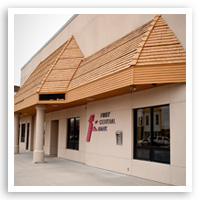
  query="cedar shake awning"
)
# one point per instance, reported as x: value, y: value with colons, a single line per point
x: 53, y: 75
x: 150, y: 54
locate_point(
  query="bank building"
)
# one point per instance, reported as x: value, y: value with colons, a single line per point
x: 109, y: 91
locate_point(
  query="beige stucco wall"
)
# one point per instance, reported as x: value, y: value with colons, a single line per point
x: 177, y: 23
x: 32, y: 133
x: 62, y: 116
x: 93, y: 32
x: 102, y: 151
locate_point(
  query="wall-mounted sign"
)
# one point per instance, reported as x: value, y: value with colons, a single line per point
x: 99, y: 125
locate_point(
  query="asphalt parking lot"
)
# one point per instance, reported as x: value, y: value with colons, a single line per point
x: 60, y: 172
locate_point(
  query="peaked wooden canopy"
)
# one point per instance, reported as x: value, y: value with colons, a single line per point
x: 150, y: 54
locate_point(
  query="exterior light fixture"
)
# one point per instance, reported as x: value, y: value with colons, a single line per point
x: 132, y: 88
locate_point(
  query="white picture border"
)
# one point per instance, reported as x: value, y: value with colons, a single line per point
x: 11, y: 15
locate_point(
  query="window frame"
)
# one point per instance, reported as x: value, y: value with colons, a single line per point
x: 151, y: 148
x: 27, y: 135
x: 70, y: 142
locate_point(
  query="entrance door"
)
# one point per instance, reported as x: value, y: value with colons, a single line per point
x: 54, y: 138
x: 27, y: 137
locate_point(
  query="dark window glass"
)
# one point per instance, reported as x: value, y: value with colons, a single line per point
x: 51, y: 97
x: 23, y: 133
x: 160, y: 155
x: 157, y: 119
x: 142, y: 153
x: 152, y: 137
x: 147, y: 120
x: 73, y: 133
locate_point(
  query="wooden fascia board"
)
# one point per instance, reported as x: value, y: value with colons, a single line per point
x: 27, y: 102
x: 54, y: 92
x: 52, y: 102
x: 166, y: 73
x: 104, y: 84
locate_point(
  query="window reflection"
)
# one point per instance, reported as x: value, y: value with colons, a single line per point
x: 161, y: 130
x: 152, y: 134
x: 143, y: 127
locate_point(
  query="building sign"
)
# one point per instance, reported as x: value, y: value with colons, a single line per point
x: 99, y: 125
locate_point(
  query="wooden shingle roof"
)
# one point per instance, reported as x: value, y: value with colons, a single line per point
x: 149, y: 54
x: 111, y: 59
x: 160, y: 53
x: 54, y: 73
x: 60, y: 74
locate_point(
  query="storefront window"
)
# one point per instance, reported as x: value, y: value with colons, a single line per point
x: 73, y: 133
x: 152, y: 134
x: 23, y: 133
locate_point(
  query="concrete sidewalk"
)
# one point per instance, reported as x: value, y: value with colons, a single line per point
x: 60, y: 172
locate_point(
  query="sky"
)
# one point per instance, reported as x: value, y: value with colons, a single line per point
x: 31, y: 32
